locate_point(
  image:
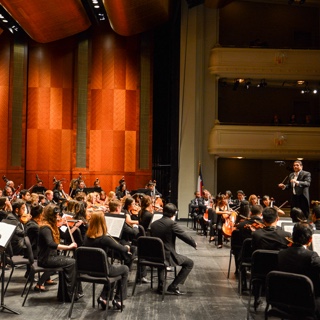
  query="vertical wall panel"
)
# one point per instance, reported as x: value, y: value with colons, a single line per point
x: 4, y: 100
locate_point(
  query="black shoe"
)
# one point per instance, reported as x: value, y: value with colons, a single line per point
x: 39, y: 289
x: 117, y: 305
x: 103, y: 303
x: 174, y: 290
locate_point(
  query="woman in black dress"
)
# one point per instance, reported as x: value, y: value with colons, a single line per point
x: 97, y: 237
x: 49, y: 245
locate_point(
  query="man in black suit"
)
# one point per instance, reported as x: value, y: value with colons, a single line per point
x: 196, y: 206
x: 298, y: 259
x: 167, y: 230
x: 270, y: 237
x: 299, y: 182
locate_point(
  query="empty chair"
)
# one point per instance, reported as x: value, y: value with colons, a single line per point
x: 290, y: 296
x: 92, y: 267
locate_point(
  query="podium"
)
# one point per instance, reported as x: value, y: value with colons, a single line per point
x: 6, y: 233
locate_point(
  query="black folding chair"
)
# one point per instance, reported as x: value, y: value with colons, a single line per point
x: 35, y: 269
x: 92, y: 267
x: 244, y: 263
x: 262, y: 262
x: 291, y: 296
x: 151, y: 253
x: 235, y: 248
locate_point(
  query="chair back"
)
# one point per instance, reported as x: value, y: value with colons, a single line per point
x: 262, y: 262
x: 29, y: 251
x: 246, y: 251
x: 290, y: 293
x: 91, y: 261
x: 151, y: 249
x: 236, y: 242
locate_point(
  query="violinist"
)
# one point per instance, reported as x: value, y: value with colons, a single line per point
x: 297, y: 215
x: 5, y: 207
x: 14, y: 218
x: 270, y: 237
x: 146, y: 212
x: 298, y: 259
x: 315, y: 216
x: 247, y: 226
x: 49, y: 245
x: 253, y: 200
x: 131, y: 219
x: 8, y: 192
x: 269, y: 202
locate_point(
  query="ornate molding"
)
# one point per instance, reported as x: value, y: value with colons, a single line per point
x: 286, y: 64
x: 264, y: 142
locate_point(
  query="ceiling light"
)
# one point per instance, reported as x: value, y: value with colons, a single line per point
x: 300, y: 82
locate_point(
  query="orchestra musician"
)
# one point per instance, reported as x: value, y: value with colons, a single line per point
x: 270, y: 237
x: 14, y: 218
x: 97, y: 237
x: 122, y: 192
x: 59, y: 196
x: 196, y: 206
x: 49, y: 244
x: 253, y: 200
x: 153, y: 193
x: 297, y: 258
x: 297, y: 215
x: 146, y: 212
x: 223, y: 212
x: 5, y: 207
x: 242, y: 204
x: 315, y: 216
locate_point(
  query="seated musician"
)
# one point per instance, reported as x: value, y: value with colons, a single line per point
x: 297, y: 215
x: 97, y: 237
x: 146, y: 212
x: 58, y: 193
x: 242, y: 204
x: 271, y: 237
x: 122, y: 192
x: 206, y: 204
x: 5, y: 207
x: 298, y: 259
x: 222, y: 211
x: 14, y: 218
x: 316, y: 216
x: 49, y: 245
x: 195, y: 204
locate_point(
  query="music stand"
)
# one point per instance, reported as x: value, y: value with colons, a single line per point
x: 6, y: 233
x: 115, y: 223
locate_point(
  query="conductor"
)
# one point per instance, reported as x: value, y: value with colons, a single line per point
x: 299, y: 183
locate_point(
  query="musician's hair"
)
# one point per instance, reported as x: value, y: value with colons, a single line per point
x: 270, y: 215
x: 114, y: 204
x: 36, y: 210
x: 23, y: 192
x: 170, y: 210
x: 129, y: 200
x: 48, y: 192
x: 301, y: 234
x: 297, y: 215
x: 17, y: 204
x: 97, y: 226
x: 256, y: 209
x: 145, y: 202
x: 316, y: 211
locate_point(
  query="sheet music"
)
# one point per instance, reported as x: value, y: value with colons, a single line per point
x: 288, y: 228
x: 156, y: 216
x: 6, y: 232
x: 316, y: 242
x: 115, y: 225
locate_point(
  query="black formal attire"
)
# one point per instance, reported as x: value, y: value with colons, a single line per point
x: 244, y: 227
x: 300, y: 193
x: 197, y: 207
x: 317, y: 224
x: 167, y: 230
x: 3, y: 214
x: 145, y: 218
x: 106, y: 243
x: 244, y: 210
x: 298, y: 259
x: 48, y: 257
x: 58, y: 196
x: 32, y: 231
x: 270, y: 238
x: 17, y: 240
